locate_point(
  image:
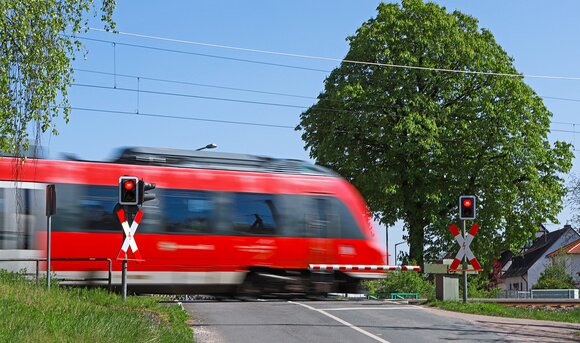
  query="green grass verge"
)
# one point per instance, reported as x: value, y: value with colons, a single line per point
x: 32, y: 314
x: 570, y: 315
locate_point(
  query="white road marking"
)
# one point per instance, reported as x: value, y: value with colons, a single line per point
x: 344, y: 322
x: 372, y: 308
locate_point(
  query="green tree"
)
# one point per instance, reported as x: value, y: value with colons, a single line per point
x: 37, y: 46
x: 555, y: 277
x: 413, y: 139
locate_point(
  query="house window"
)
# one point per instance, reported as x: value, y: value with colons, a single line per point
x: 516, y: 286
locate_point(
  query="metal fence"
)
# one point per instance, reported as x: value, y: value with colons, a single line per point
x: 71, y: 259
x: 541, y: 294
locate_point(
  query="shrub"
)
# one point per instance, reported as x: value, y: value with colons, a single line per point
x: 555, y: 277
x: 478, y: 287
x: 402, y: 282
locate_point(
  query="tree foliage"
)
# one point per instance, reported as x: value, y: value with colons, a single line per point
x: 413, y: 139
x: 573, y: 198
x: 555, y: 277
x: 37, y: 46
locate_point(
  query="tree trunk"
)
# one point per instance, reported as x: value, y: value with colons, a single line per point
x: 416, y: 228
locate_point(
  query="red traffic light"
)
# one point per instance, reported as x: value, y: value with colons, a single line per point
x: 467, y: 207
x: 128, y: 190
x: 129, y: 185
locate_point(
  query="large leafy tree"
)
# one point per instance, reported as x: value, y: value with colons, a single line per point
x: 36, y: 49
x: 413, y: 139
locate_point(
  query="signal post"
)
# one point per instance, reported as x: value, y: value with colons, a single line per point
x: 132, y: 194
x: 467, y: 211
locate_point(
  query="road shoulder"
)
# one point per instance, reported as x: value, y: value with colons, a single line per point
x: 516, y: 329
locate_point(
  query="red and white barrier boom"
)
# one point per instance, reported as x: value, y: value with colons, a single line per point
x: 464, y: 249
x: 362, y: 267
x: 129, y: 241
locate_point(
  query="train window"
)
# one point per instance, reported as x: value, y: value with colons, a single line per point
x: 318, y: 217
x: 292, y: 214
x: 188, y: 211
x: 68, y: 215
x: 255, y: 214
x: 97, y: 205
x: 348, y: 227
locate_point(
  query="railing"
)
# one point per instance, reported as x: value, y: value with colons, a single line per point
x: 404, y: 295
x: 69, y: 259
x: 541, y: 294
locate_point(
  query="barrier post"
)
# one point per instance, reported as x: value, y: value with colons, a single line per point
x: 50, y: 210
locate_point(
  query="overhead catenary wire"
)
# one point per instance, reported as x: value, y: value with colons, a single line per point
x: 180, y: 117
x: 138, y: 91
x: 217, y: 98
x: 148, y: 47
x: 197, y: 84
x: 141, y: 77
x: 332, y: 59
x: 170, y: 116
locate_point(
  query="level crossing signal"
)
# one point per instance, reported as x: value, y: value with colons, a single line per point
x: 467, y: 209
x: 143, y: 188
x: 133, y: 191
x: 128, y: 190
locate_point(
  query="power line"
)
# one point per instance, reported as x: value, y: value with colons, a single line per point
x: 138, y: 91
x: 159, y: 115
x: 141, y: 77
x: 388, y: 65
x: 168, y: 116
x: 204, y: 55
x: 193, y: 96
x: 258, y: 102
x: 195, y: 84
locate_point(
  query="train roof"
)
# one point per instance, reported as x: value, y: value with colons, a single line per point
x: 217, y: 160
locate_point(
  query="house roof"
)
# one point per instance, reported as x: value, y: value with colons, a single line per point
x: 521, y: 264
x: 572, y: 248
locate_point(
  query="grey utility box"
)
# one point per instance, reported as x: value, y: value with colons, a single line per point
x: 446, y: 284
x: 447, y: 287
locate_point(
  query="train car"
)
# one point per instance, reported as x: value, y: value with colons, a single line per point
x: 219, y: 223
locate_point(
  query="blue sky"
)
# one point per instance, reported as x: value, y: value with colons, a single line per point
x: 543, y: 39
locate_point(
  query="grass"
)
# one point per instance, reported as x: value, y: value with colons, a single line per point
x: 569, y: 315
x: 33, y: 314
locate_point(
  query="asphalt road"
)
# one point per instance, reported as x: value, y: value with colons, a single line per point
x: 338, y: 321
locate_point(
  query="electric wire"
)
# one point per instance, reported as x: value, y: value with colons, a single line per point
x: 203, y: 55
x: 169, y: 116
x: 260, y: 102
x: 196, y: 84
x: 332, y: 59
x: 253, y: 90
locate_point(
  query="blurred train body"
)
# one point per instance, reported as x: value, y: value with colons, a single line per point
x: 220, y: 223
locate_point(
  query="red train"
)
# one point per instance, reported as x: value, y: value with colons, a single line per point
x: 220, y: 223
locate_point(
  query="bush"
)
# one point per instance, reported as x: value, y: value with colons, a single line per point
x: 555, y: 277
x: 477, y: 287
x: 401, y: 282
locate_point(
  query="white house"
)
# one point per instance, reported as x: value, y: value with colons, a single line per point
x: 523, y: 271
x: 569, y: 257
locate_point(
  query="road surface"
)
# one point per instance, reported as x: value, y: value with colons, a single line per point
x: 360, y: 321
